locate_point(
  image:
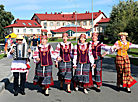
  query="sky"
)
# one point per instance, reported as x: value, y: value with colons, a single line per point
x: 25, y: 9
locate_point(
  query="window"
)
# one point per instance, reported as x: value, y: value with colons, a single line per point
x: 45, y: 24
x: 52, y: 34
x: 90, y: 23
x: 88, y: 33
x: 31, y: 30
x: 97, y: 29
x: 78, y: 23
x: 51, y: 24
x: 24, y: 30
x: 35, y: 23
x: 57, y: 23
x: 64, y: 24
x: 84, y: 23
x: 24, y: 24
x: 17, y: 30
x: 38, y: 30
x: 29, y: 23
x: 70, y: 33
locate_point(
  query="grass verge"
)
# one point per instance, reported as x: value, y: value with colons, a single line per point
x: 2, y: 56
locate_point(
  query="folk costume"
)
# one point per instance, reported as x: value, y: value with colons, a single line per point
x: 96, y: 51
x: 43, y: 71
x: 122, y: 62
x: 65, y: 65
x: 18, y: 67
x: 83, y: 59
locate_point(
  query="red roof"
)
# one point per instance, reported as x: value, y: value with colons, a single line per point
x: 104, y: 20
x: 65, y: 29
x: 24, y: 23
x: 96, y: 24
x: 44, y: 30
x: 68, y: 17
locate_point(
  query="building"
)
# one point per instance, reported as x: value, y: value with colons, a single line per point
x: 24, y: 27
x: 50, y: 24
x: 71, y: 30
x: 102, y: 24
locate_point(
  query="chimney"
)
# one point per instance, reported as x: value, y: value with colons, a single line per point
x: 51, y: 12
x: 99, y: 11
x: 17, y: 19
x: 86, y: 12
x: 73, y: 13
x: 46, y: 13
x: 55, y: 13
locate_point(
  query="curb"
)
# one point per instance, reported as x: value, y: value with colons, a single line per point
x: 5, y: 81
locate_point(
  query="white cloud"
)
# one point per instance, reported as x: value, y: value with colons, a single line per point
x: 27, y: 7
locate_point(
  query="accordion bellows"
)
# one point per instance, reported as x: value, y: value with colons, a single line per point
x: 20, y: 51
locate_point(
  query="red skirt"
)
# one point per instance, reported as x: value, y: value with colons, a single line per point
x: 46, y: 86
x: 85, y: 85
x: 65, y: 80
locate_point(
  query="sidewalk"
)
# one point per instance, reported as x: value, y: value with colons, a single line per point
x: 5, y: 72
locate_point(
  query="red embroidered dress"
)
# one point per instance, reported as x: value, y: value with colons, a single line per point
x: 43, y: 72
x: 65, y: 66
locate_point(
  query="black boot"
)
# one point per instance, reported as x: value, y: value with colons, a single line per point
x: 16, y: 93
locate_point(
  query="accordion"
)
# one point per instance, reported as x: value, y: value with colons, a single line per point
x: 20, y: 51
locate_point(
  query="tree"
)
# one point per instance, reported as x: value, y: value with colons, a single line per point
x: 132, y: 29
x: 5, y: 19
x: 120, y: 16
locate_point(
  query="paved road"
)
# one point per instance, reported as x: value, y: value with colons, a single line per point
x: 108, y: 93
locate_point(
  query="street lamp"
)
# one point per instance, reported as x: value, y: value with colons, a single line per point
x: 76, y: 17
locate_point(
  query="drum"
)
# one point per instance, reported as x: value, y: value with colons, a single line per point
x: 20, y: 51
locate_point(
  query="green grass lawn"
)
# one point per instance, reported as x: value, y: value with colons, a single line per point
x: 61, y: 40
x: 134, y: 50
x: 2, y: 56
x: 1, y: 39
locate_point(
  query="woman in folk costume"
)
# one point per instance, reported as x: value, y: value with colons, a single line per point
x: 96, y: 51
x: 19, y: 67
x: 123, y: 63
x: 82, y: 61
x: 43, y: 59
x: 64, y: 63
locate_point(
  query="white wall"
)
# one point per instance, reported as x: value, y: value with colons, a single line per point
x: 28, y: 31
x: 54, y: 27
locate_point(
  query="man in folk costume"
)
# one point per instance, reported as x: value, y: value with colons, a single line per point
x: 64, y: 63
x: 96, y: 51
x: 82, y: 61
x: 19, y: 67
x: 43, y: 59
x: 122, y: 62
